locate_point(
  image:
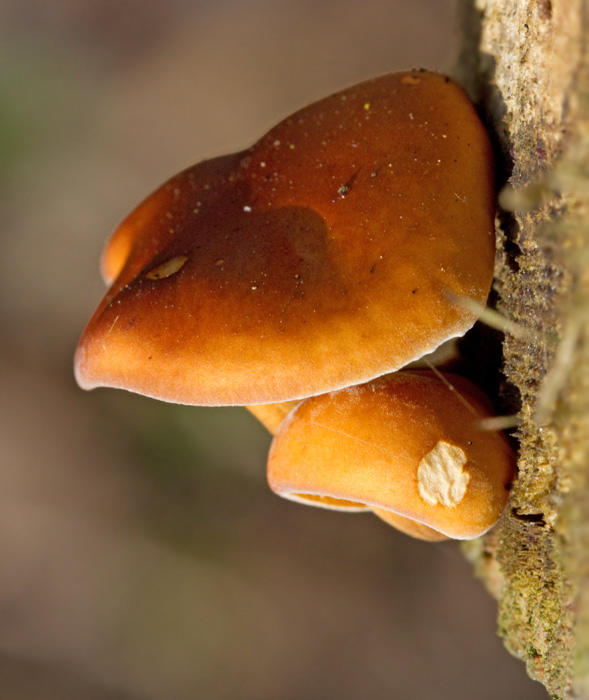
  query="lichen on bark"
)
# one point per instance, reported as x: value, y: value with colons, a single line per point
x: 525, y: 62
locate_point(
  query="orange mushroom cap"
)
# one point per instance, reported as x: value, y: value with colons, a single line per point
x: 409, y: 444
x: 334, y: 250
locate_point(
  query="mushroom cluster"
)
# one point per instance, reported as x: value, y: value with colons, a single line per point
x: 353, y: 238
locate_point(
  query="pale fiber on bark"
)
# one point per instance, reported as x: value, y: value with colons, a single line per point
x: 525, y: 62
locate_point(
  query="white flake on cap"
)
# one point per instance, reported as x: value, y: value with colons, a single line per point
x: 440, y: 477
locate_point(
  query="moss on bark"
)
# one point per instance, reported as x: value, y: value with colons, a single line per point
x: 525, y: 63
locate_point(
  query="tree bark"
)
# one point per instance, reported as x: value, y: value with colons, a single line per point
x: 525, y: 63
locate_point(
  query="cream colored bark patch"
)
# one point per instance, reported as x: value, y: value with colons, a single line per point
x: 440, y: 477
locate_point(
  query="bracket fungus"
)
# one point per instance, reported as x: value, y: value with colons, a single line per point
x: 336, y: 249
x: 408, y: 446
x: 353, y: 238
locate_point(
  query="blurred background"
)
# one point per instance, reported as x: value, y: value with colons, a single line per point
x: 143, y: 556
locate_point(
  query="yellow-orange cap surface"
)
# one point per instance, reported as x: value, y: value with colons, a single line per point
x: 339, y: 247
x: 409, y: 443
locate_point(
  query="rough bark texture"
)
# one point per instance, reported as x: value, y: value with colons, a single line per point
x: 525, y: 63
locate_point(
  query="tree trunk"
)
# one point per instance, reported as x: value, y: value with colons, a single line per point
x: 525, y: 63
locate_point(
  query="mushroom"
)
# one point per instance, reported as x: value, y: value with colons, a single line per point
x: 409, y: 446
x: 340, y: 247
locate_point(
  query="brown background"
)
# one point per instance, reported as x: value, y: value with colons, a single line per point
x: 142, y: 554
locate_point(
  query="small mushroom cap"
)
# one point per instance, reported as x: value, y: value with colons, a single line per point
x: 409, y: 443
x: 336, y: 249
